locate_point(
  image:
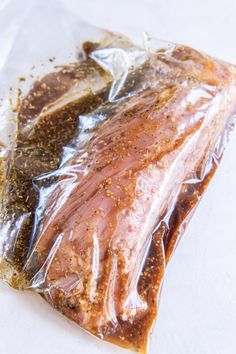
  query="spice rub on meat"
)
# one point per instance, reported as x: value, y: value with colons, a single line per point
x: 103, y: 223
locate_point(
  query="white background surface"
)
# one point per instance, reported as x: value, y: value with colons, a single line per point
x: 198, y: 305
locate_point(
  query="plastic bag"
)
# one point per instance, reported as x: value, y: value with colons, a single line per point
x: 107, y: 147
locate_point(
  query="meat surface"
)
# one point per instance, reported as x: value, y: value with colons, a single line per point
x: 103, y: 240
x: 107, y: 214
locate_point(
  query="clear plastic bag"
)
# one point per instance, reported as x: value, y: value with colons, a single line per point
x: 107, y: 147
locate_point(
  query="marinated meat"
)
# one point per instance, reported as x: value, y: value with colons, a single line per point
x: 101, y: 189
x: 103, y: 238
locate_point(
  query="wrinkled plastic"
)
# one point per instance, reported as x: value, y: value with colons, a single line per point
x: 105, y: 152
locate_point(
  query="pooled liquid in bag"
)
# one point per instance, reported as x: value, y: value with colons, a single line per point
x: 101, y: 188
